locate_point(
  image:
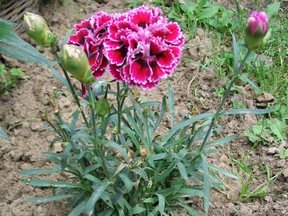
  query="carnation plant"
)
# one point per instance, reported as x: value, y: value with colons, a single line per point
x: 123, y: 159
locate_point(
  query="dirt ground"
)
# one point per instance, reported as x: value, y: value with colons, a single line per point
x: 194, y: 91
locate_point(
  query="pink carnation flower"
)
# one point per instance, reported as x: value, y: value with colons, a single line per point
x: 257, y: 23
x: 143, y: 47
x: 90, y: 36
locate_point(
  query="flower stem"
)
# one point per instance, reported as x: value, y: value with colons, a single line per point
x: 97, y: 144
x: 224, y: 98
x: 91, y: 103
x: 75, y: 96
x: 118, y: 108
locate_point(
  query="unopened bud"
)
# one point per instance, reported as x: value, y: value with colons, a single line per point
x: 75, y: 61
x: 131, y: 154
x: 143, y: 152
x: 36, y: 27
x: 102, y: 107
x: 257, y: 30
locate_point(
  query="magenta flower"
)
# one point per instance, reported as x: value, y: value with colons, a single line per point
x: 143, y: 47
x: 257, y: 30
x: 90, y: 36
x: 257, y: 23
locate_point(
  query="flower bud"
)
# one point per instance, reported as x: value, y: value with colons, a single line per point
x: 257, y: 30
x: 102, y: 107
x: 37, y: 29
x: 131, y: 154
x: 143, y: 152
x: 74, y: 60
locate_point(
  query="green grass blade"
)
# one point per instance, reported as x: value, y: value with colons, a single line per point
x: 190, y: 210
x: 206, y: 183
x: 246, y: 79
x: 222, y: 172
x: 78, y: 209
x: 185, y: 123
x: 161, y: 204
x: 235, y: 54
x: 182, y: 171
x: 47, y: 183
x: 221, y: 141
x: 52, y: 170
x: 90, y: 205
x: 127, y: 182
x: 171, y: 104
x: 136, y: 210
x: 246, y: 111
x: 38, y: 200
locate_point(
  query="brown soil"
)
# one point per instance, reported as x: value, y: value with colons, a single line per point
x: 194, y: 92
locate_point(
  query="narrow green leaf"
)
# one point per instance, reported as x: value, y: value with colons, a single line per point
x: 13, y: 46
x: 246, y: 79
x: 139, y: 171
x: 137, y: 210
x: 159, y: 156
x: 235, y: 54
x: 190, y: 210
x: 161, y: 204
x: 143, y: 105
x: 163, y: 110
x: 182, y: 170
x: 90, y: 205
x: 131, y: 135
x: 222, y: 172
x: 135, y: 127
x: 92, y: 178
x: 118, y: 148
x: 246, y: 111
x: 127, y: 182
x: 78, y: 209
x: 47, y: 183
x: 107, y: 212
x: 52, y: 170
x: 206, y: 183
x: 38, y: 200
x: 160, y: 207
x: 190, y: 192
x: 221, y: 141
x: 3, y: 134
x: 185, y: 123
x: 171, y: 104
x: 165, y: 173
x: 149, y: 200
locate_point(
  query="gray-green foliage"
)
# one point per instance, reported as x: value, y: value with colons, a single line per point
x: 3, y: 134
x: 13, y: 46
x: 131, y: 159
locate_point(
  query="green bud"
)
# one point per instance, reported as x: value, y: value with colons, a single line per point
x: 102, y: 107
x: 257, y: 30
x: 37, y: 29
x: 74, y: 60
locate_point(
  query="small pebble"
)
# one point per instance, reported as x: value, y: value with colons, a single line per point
x: 272, y: 151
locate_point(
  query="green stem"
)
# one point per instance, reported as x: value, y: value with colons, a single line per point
x: 75, y: 96
x: 99, y: 146
x: 91, y: 103
x: 224, y: 98
x: 118, y: 108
